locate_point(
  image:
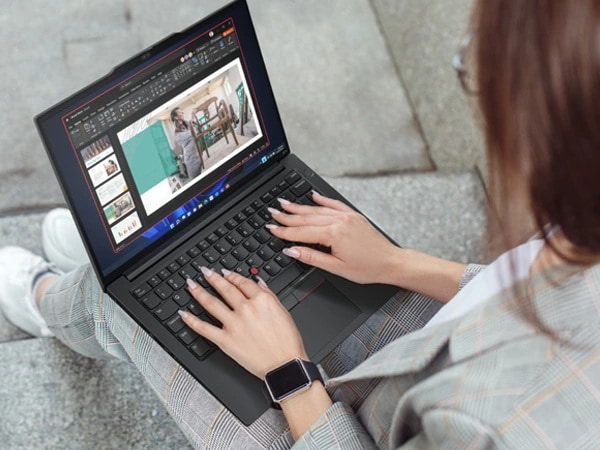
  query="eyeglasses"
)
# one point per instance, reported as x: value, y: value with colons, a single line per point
x: 466, y: 78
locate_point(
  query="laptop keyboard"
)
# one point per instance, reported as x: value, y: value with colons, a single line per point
x: 240, y: 244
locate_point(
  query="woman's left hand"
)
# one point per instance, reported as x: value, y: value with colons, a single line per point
x: 257, y: 331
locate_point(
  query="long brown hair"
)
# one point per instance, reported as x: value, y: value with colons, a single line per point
x: 538, y: 79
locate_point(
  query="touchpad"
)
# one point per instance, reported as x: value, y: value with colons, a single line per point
x: 322, y: 315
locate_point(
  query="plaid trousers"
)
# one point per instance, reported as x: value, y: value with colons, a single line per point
x: 92, y: 324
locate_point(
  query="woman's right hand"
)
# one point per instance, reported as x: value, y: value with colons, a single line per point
x: 359, y: 252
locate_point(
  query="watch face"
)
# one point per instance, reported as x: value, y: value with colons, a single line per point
x: 287, y: 379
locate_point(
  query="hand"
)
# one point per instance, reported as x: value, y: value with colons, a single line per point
x: 359, y: 252
x: 257, y: 331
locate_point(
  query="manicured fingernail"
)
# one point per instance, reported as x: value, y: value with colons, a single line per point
x: 206, y: 272
x: 191, y: 283
x: 226, y: 272
x: 273, y: 211
x: 184, y: 315
x: 291, y: 252
x: 261, y: 282
x: 271, y: 226
x: 283, y: 201
x: 315, y: 194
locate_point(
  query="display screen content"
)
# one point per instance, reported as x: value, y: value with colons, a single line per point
x: 163, y: 142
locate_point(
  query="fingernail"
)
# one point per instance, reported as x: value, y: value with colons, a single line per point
x: 315, y: 193
x: 261, y: 282
x: 283, y: 201
x: 273, y: 211
x: 271, y: 226
x: 291, y: 252
x: 226, y: 272
x: 191, y: 283
x: 184, y: 314
x: 206, y: 272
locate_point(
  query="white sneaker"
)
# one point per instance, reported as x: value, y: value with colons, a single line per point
x: 61, y: 242
x: 19, y: 270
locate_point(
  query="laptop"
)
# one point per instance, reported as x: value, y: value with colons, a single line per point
x: 169, y: 163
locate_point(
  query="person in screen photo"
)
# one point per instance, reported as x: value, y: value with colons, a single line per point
x: 184, y: 136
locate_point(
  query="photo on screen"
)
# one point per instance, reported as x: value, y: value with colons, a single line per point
x: 104, y: 170
x: 96, y: 151
x: 176, y: 145
x: 119, y: 208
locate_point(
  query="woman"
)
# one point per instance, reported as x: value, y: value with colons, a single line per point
x: 521, y: 369
x: 183, y: 133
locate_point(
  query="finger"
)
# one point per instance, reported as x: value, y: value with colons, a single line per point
x: 248, y: 287
x: 202, y: 327
x: 313, y: 257
x: 296, y: 208
x: 305, y: 234
x: 294, y: 220
x: 230, y: 293
x: 336, y: 205
x: 210, y: 303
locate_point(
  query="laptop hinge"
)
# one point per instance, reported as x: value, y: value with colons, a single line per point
x: 246, y: 191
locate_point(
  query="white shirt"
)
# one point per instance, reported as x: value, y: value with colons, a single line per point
x: 496, y: 277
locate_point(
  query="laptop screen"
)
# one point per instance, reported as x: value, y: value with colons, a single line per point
x: 163, y: 138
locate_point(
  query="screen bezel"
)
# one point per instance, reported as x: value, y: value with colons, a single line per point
x: 264, y: 99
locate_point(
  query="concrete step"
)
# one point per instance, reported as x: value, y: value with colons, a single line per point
x: 54, y: 398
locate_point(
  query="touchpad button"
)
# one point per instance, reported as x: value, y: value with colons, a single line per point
x: 322, y: 315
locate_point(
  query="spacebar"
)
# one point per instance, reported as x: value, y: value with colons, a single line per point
x: 285, y: 277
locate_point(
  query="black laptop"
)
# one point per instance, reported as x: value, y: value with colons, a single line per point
x: 169, y: 163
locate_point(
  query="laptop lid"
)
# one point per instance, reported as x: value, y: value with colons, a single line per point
x: 164, y: 138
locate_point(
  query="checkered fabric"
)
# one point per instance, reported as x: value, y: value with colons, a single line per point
x: 89, y: 322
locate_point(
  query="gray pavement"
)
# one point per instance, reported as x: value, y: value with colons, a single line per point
x: 368, y: 99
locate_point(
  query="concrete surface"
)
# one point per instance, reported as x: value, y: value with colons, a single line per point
x: 376, y: 94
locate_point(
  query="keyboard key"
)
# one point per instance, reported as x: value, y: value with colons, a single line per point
x: 272, y: 268
x: 183, y: 259
x: 276, y: 244
x: 275, y: 191
x: 301, y: 188
x: 249, y: 210
x: 187, y: 335
x: 193, y: 252
x: 175, y: 324
x: 262, y: 236
x: 163, y: 291
x: 221, y: 231
x: 240, y: 217
x: 240, y: 253
x: 243, y: 269
x: 176, y: 282
x: 200, y: 347
x: 265, y: 253
x: 256, y: 221
x: 254, y: 261
x: 267, y: 198
x: 211, y: 255
x: 188, y: 272
x: 292, y: 177
x: 164, y: 274
x: 173, y: 267
x: 151, y: 301
x: 283, y: 185
x: 251, y: 245
x: 282, y: 260
x: 229, y: 262
x: 265, y: 215
x: 231, y: 223
x: 141, y: 290
x: 285, y: 277
x: 166, y: 310
x: 245, y: 230
x: 182, y: 298
x: 223, y: 246
x: 154, y: 281
x: 203, y: 245
x: 212, y: 238
x: 234, y: 238
x: 195, y: 308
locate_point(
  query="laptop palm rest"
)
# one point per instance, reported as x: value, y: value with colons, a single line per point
x: 322, y: 312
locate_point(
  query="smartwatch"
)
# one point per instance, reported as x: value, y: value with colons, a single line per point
x: 291, y: 378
